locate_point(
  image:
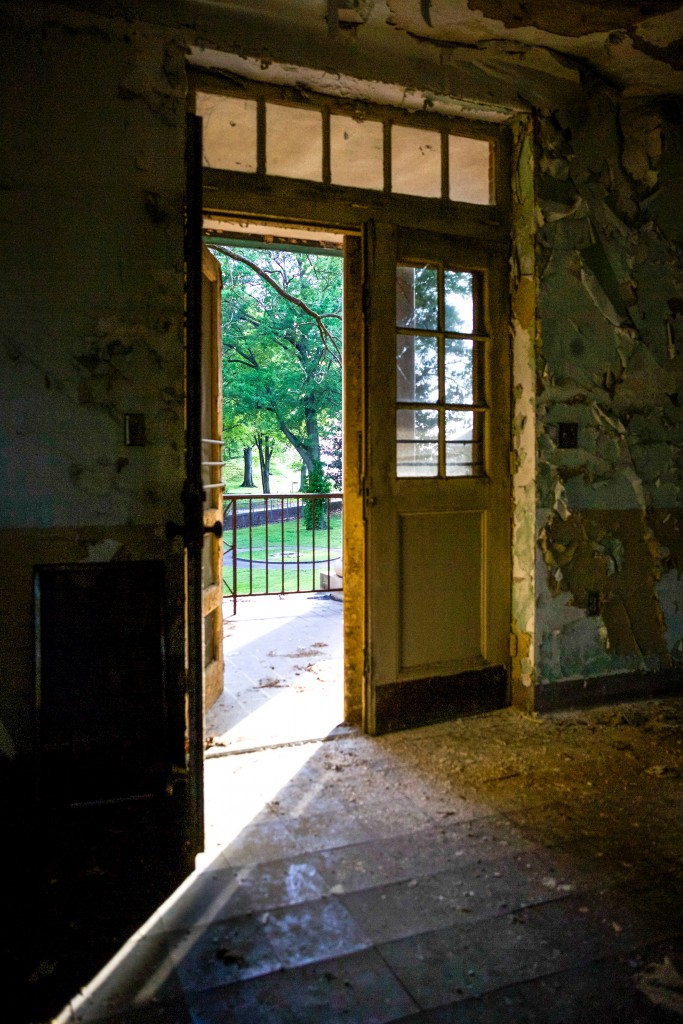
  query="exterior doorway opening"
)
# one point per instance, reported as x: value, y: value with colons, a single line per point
x: 281, y: 332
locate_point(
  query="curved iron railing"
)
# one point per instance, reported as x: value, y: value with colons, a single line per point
x: 280, y: 543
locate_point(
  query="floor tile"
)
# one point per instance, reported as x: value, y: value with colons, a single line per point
x: 357, y: 989
x: 222, y: 953
x: 417, y: 854
x: 313, y: 931
x: 610, y: 991
x: 463, y: 894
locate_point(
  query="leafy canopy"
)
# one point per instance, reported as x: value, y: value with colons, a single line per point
x: 282, y: 331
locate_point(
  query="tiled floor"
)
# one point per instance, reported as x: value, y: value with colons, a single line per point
x: 499, y: 868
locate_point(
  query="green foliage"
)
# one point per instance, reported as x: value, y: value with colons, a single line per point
x: 281, y: 346
x: 316, y: 483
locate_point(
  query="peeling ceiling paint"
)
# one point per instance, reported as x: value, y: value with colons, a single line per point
x: 634, y: 46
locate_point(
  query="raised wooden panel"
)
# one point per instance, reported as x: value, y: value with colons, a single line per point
x: 101, y: 681
x: 441, y: 589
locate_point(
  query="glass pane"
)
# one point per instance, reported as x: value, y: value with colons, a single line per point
x: 356, y: 152
x: 469, y: 173
x: 415, y: 161
x: 417, y: 369
x: 228, y: 131
x: 294, y: 142
x: 463, y: 444
x: 459, y: 354
x: 417, y: 445
x: 417, y: 297
x: 459, y: 305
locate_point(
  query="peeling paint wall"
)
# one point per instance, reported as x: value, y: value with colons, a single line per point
x: 92, y: 296
x: 92, y: 292
x: 610, y: 276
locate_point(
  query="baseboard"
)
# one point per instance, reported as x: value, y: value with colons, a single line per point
x: 579, y: 693
x: 417, y: 702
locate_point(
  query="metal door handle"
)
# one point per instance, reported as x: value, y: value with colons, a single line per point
x: 174, y: 530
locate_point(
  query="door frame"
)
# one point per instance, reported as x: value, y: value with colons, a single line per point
x: 259, y: 200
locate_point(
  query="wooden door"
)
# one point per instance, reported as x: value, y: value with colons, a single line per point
x: 437, y: 488
x: 212, y: 447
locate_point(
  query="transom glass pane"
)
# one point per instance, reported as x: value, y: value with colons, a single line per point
x: 417, y: 297
x: 469, y: 170
x: 459, y: 306
x: 228, y: 132
x: 417, y: 369
x: 415, y: 161
x: 294, y: 142
x: 356, y: 152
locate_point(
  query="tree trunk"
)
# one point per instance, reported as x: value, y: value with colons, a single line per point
x: 265, y: 446
x: 248, y: 469
x: 309, y: 450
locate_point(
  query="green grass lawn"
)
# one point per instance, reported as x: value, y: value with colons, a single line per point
x: 297, y: 548
x: 290, y: 538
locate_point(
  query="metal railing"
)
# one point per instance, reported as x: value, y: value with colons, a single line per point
x: 280, y: 543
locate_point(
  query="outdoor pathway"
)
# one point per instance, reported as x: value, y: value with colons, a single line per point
x: 283, y: 673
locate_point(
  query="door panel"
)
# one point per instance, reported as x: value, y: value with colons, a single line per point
x: 442, y: 586
x: 437, y: 488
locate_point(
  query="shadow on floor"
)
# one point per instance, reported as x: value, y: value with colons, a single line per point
x: 502, y: 867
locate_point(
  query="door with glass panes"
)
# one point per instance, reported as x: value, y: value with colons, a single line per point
x: 437, y: 487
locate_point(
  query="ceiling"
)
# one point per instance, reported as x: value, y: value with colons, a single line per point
x: 636, y: 45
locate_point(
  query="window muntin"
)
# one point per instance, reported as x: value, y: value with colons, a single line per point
x: 440, y: 351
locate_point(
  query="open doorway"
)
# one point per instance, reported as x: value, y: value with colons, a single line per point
x: 282, y: 565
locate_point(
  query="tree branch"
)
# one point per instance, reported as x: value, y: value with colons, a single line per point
x: 330, y: 343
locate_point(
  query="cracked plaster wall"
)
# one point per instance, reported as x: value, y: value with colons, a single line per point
x: 92, y: 199
x: 610, y: 359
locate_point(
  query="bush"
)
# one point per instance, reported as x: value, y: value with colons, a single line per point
x: 314, y: 511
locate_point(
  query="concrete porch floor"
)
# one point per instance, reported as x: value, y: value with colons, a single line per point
x: 283, y: 673
x: 498, y: 868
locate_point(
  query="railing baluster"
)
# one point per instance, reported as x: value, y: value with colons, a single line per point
x: 234, y: 556
x: 251, y: 546
x: 282, y: 542
x: 298, y: 545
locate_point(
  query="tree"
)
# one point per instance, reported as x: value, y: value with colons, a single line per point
x: 248, y: 480
x: 282, y: 314
x: 265, y: 446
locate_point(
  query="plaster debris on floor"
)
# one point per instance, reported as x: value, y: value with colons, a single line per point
x: 500, y: 867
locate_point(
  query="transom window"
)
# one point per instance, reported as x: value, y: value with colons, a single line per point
x: 321, y: 144
x: 440, y: 353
